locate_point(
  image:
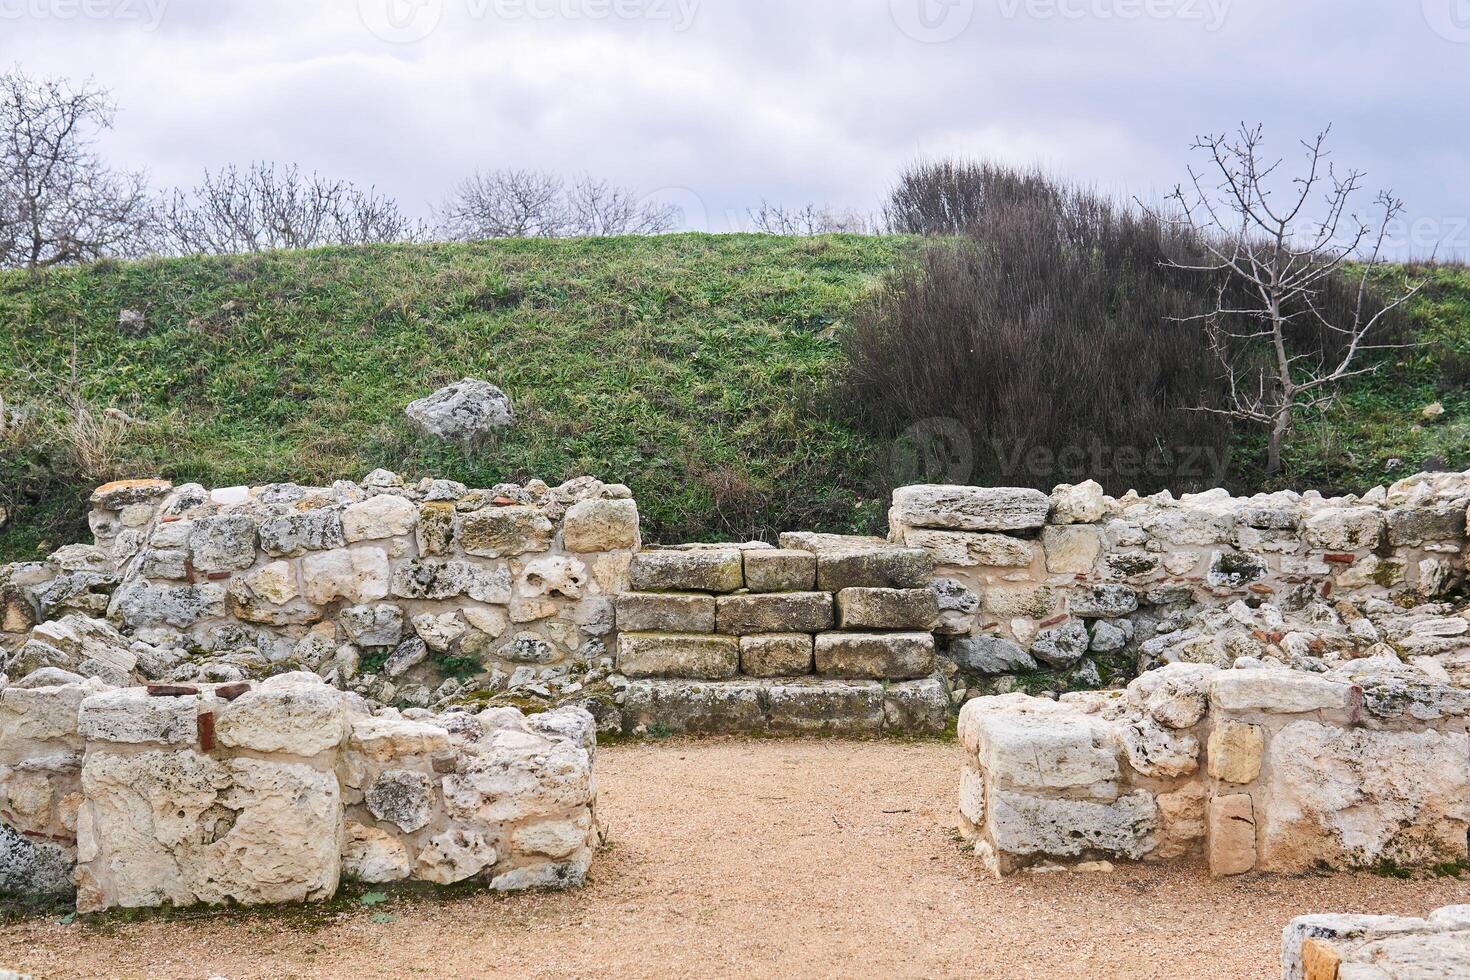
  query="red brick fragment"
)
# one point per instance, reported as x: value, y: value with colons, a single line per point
x: 206, y: 731
x: 171, y: 691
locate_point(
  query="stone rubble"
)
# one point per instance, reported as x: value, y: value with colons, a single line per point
x: 1378, y: 947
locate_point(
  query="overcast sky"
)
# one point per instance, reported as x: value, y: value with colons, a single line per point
x: 715, y: 104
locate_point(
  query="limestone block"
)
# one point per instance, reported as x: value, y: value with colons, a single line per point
x: 1160, y: 752
x: 222, y: 544
x: 456, y: 855
x: 402, y: 797
x: 1354, y: 798
x: 1345, y: 529
x: 916, y: 707
x: 1181, y: 823
x: 529, y: 648
x: 1410, y: 527
x: 434, y: 531
x: 389, y: 736
x: 1061, y: 646
x: 297, y: 720
x: 780, y: 570
x: 503, y: 532
x: 964, y: 549
x: 374, y: 856
x: 776, y: 655
x: 825, y: 707
x: 678, y: 655
x: 78, y: 645
x: 665, y: 612
x: 1071, y: 550
x: 179, y: 828
x: 990, y: 655
x: 376, y: 518
x: 554, y: 838
x: 1278, y: 692
x: 33, y: 867
x: 554, y: 577
x: 972, y: 796
x: 1232, y: 835
x: 1038, y: 826
x: 1020, y: 601
x: 1103, y: 602
x: 436, y: 579
x: 694, y: 707
x: 42, y: 714
x: 520, y: 776
x: 601, y: 525
x: 358, y: 575
x: 1061, y: 751
x: 1236, y: 752
x: 1131, y: 565
x: 887, y: 609
x: 372, y: 627
x: 1176, y: 695
x: 293, y: 535
x: 439, y: 633
x: 876, y: 656
x: 132, y: 717
x: 687, y: 571
x: 970, y: 508
x: 549, y: 874
x: 778, y: 612
x: 139, y: 604
x: 1081, y: 504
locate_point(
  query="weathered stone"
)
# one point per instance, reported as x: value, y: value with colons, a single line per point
x: 1232, y: 836
x: 1030, y: 825
x: 776, y: 655
x: 437, y: 579
x: 402, y: 797
x: 132, y: 717
x: 1131, y: 565
x: 601, y: 525
x: 1053, y: 751
x: 916, y: 707
x: 293, y: 535
x: 78, y: 645
x: 1181, y: 822
x: 358, y: 575
x: 553, y: 838
x: 456, y: 855
x: 388, y: 736
x: 1020, y: 601
x: 887, y: 609
x: 406, y: 656
x: 695, y: 708
x: 1159, y: 752
x: 1103, y: 602
x: 963, y: 549
x: 374, y: 856
x: 1345, y: 529
x: 675, y: 655
x: 1071, y: 550
x: 1107, y: 638
x: 957, y: 607
x: 687, y: 571
x: 1176, y: 695
x: 1235, y: 570
x: 383, y: 516
x: 468, y: 412
x: 222, y: 544
x: 990, y: 655
x: 873, y: 567
x: 519, y: 776
x: 1353, y: 798
x: 501, y: 532
x: 876, y: 656
x: 439, y: 633
x: 970, y: 508
x: 1061, y: 646
x: 34, y: 868
x: 1235, y: 752
x: 554, y: 577
x: 138, y: 604
x: 1277, y: 692
x: 826, y: 708
x: 299, y: 720
x: 658, y: 612
x: 1410, y: 527
x: 373, y: 627
x: 434, y: 532
x: 1081, y: 504
x: 781, y: 612
x: 780, y: 570
x: 122, y: 493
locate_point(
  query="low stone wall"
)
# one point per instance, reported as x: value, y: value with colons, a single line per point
x: 1377, y: 947
x: 256, y: 794
x: 1077, y: 589
x: 1257, y: 769
x: 827, y: 634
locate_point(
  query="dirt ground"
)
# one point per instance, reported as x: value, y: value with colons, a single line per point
x: 754, y: 858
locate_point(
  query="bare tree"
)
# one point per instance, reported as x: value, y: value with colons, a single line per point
x: 59, y: 202
x: 596, y: 207
x: 1275, y: 259
x: 775, y: 219
x: 536, y: 204
x: 267, y: 206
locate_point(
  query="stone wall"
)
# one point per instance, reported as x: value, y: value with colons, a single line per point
x: 1076, y: 589
x: 275, y: 792
x: 1255, y: 769
x: 1377, y: 947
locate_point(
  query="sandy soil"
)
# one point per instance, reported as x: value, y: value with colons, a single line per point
x: 741, y: 858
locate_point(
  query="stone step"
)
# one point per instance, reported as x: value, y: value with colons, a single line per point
x: 786, y: 706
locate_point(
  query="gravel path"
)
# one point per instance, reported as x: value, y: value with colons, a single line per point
x: 754, y: 858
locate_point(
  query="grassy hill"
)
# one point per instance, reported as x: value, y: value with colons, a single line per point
x: 691, y: 367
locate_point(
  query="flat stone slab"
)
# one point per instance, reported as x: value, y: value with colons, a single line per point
x: 643, y: 655
x: 800, y: 706
x: 887, y: 609
x: 698, y: 570
x: 970, y: 508
x: 785, y: 612
x: 780, y: 570
x: 875, y: 656
x: 663, y: 612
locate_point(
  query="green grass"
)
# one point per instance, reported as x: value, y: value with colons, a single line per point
x: 694, y: 368
x: 689, y: 367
